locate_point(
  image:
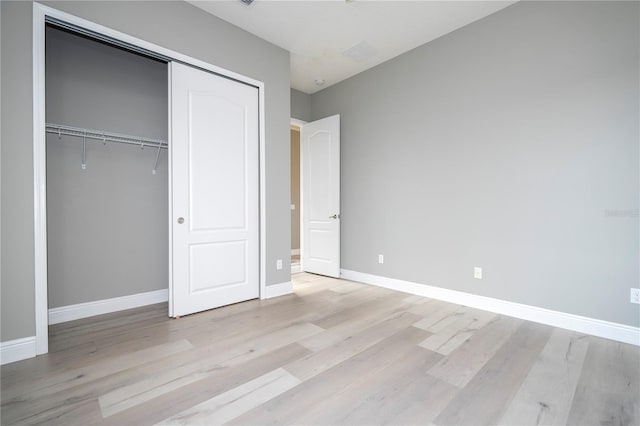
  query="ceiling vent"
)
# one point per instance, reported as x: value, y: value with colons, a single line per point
x: 360, y: 52
x: 247, y: 2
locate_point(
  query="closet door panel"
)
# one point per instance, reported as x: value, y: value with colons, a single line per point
x: 215, y: 166
x: 216, y: 265
x: 217, y: 180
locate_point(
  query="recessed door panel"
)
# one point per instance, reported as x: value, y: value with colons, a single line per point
x: 216, y: 265
x: 320, y: 175
x: 217, y: 157
x: 320, y: 245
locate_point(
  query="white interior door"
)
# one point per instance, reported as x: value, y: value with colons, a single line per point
x: 214, y: 209
x: 321, y: 196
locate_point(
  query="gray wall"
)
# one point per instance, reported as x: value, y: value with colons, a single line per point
x: 175, y: 25
x: 17, y: 316
x: 107, y: 225
x: 510, y: 144
x: 300, y: 105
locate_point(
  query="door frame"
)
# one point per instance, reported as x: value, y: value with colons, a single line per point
x: 299, y: 123
x: 40, y: 12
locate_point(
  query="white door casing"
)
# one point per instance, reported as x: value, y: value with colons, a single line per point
x: 215, y: 191
x: 321, y: 196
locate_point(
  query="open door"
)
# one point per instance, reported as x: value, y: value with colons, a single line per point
x: 320, y: 149
x: 214, y: 207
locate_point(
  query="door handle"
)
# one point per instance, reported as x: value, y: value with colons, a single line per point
x: 181, y: 220
x: 335, y: 216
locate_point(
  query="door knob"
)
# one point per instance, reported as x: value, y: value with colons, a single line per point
x: 335, y: 216
x: 181, y: 220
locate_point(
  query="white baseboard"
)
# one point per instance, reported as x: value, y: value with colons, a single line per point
x: 99, y: 307
x: 296, y: 268
x: 278, y: 290
x: 295, y: 252
x: 17, y: 350
x: 609, y: 330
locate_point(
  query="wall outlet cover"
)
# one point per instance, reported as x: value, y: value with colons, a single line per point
x: 635, y: 295
x: 381, y: 258
x: 477, y: 273
x: 279, y: 264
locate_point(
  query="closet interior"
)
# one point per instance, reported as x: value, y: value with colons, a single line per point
x: 107, y: 177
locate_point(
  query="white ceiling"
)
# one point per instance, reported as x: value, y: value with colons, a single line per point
x: 335, y: 39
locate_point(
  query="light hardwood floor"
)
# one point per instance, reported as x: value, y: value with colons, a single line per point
x: 335, y: 352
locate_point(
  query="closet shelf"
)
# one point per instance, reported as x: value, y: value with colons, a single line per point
x: 60, y: 130
x: 105, y: 137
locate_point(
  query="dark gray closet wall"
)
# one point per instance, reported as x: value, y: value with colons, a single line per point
x: 107, y: 225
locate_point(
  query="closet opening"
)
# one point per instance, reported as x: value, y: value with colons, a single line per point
x: 106, y: 176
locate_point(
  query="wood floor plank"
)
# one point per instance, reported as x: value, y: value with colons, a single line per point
x: 171, y: 403
x: 225, y: 331
x: 317, y: 362
x: 545, y: 396
x: 66, y: 414
x: 231, y: 404
x: 55, y: 383
x: 351, y: 321
x: 416, y: 300
x: 347, y: 287
x: 436, y: 315
x: 484, y: 399
x: 461, y: 366
x: 356, y: 312
x: 207, y: 361
x: 402, y: 393
x: 309, y: 396
x: 427, y: 307
x: 459, y: 329
x: 353, y: 298
x: 608, y: 391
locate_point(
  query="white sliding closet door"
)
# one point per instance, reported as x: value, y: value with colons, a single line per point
x: 215, y: 198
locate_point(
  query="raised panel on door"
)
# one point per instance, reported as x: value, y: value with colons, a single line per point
x: 215, y: 167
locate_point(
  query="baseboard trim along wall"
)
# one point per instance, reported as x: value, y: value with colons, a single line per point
x: 609, y: 330
x: 278, y: 290
x: 17, y: 350
x: 99, y: 307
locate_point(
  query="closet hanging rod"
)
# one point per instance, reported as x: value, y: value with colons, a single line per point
x: 60, y: 130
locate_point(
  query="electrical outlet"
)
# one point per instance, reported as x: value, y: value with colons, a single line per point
x: 635, y: 295
x: 381, y: 258
x: 279, y: 264
x: 477, y: 273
